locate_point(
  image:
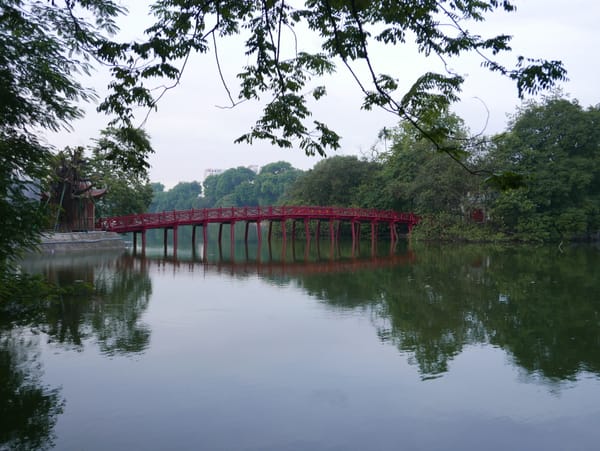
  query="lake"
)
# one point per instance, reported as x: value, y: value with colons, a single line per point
x: 423, y: 348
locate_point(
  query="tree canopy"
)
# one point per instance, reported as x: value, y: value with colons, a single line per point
x: 555, y: 145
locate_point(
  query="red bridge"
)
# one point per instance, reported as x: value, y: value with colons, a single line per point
x: 139, y: 223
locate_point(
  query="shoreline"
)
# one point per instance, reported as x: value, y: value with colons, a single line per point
x: 51, y: 243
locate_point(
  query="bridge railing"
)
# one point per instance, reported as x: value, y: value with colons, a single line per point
x: 232, y: 214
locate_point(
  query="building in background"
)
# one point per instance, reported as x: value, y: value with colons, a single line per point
x: 216, y: 171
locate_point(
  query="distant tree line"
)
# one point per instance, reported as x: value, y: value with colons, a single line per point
x: 537, y: 181
x: 234, y: 187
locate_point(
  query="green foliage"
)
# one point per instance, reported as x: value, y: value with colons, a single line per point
x: 119, y: 163
x: 335, y: 181
x: 183, y: 196
x: 233, y: 179
x: 238, y: 187
x: 448, y: 227
x: 39, y: 90
x: 416, y: 176
x: 274, y: 181
x: 554, y: 145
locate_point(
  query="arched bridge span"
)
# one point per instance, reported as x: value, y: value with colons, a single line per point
x: 139, y: 223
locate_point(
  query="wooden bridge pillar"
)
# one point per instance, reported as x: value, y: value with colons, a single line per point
x: 143, y: 242
x: 232, y: 238
x: 174, y: 241
x: 283, y: 228
x: 293, y: 230
x: 373, y: 238
x: 134, y: 242
x: 204, y: 240
x: 307, y: 229
x: 165, y: 239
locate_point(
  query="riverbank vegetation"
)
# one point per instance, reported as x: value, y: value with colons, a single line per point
x: 537, y: 181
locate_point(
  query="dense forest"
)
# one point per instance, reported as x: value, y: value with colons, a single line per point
x: 537, y: 181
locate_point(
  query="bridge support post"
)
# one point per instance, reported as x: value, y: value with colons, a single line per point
x: 293, y: 230
x: 134, y: 242
x: 283, y: 247
x: 373, y: 238
x: 246, y: 232
x: 307, y: 229
x: 174, y: 241
x: 258, y: 234
x: 194, y: 238
x: 270, y: 231
x: 318, y: 230
x: 220, y: 232
x: 232, y: 238
x: 143, y: 242
x: 204, y: 240
x: 165, y: 239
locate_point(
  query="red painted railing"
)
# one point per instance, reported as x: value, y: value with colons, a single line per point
x: 167, y: 219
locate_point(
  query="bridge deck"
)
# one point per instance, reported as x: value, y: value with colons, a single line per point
x: 170, y: 219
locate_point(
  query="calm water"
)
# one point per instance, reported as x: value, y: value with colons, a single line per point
x: 433, y: 348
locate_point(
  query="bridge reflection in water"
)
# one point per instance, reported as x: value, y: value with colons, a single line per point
x: 288, y: 265
x: 335, y: 216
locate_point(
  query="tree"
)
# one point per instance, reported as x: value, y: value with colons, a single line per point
x: 418, y: 177
x: 183, y: 196
x: 231, y: 178
x: 39, y: 90
x: 335, y: 181
x: 128, y: 188
x: 274, y: 180
x: 554, y: 144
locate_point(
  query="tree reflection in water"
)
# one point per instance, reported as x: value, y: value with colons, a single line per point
x: 97, y: 299
x: 28, y: 409
x: 100, y: 298
x: 540, y: 305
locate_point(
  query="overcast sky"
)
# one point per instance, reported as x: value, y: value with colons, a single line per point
x: 190, y: 133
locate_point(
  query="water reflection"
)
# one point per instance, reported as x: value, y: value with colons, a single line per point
x: 306, y: 357
x: 98, y: 298
x: 539, y: 305
x: 101, y: 298
x: 28, y: 408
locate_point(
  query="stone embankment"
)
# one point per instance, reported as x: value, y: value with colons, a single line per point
x: 80, y: 242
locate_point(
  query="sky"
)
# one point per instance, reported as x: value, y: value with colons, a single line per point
x: 191, y: 132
